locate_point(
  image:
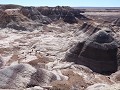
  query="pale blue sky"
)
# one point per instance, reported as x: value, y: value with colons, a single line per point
x: 75, y: 3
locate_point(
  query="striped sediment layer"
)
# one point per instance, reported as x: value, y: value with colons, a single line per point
x: 98, y: 52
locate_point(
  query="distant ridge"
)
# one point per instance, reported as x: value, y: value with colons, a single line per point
x: 113, y: 8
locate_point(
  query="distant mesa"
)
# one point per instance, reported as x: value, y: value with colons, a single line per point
x: 9, y: 6
x: 98, y: 52
x: 66, y: 13
x: 33, y: 14
x: 25, y: 18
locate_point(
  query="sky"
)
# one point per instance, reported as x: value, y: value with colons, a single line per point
x: 73, y: 3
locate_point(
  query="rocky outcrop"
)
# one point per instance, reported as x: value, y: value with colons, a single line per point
x: 97, y: 52
x: 24, y: 75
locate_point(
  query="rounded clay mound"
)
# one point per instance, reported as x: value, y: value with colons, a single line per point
x: 98, y: 52
x: 102, y: 37
x: 101, y: 40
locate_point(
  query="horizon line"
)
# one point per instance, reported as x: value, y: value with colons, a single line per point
x: 59, y: 5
